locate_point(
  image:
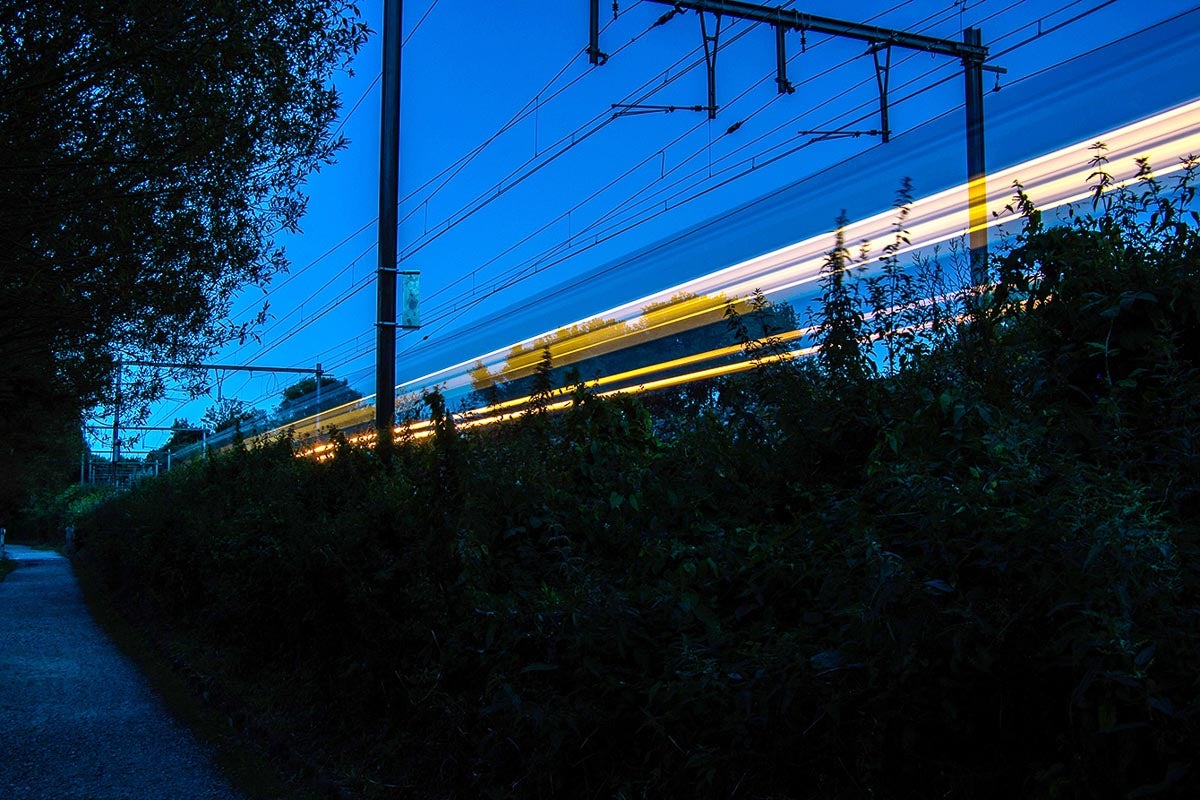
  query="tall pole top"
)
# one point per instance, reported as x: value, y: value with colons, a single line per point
x: 389, y: 184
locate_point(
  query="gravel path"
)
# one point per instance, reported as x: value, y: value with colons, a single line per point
x: 76, y: 718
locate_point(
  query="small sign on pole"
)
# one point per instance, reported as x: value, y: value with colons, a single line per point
x: 410, y: 299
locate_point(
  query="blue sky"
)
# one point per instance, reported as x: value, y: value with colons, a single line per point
x: 472, y: 68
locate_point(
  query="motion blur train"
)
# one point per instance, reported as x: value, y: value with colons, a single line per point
x: 662, y: 318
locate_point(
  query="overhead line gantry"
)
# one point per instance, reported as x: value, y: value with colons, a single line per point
x: 252, y: 368
x: 970, y: 51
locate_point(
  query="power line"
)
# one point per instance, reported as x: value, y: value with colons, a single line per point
x: 457, y: 166
x: 724, y: 182
x: 417, y: 27
x: 453, y: 315
x: 685, y: 161
x: 1056, y: 27
x: 521, y: 115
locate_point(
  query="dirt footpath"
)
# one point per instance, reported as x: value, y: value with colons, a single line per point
x: 76, y: 718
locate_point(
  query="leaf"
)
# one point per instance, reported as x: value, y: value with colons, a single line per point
x: 690, y: 602
x: 827, y: 660
x: 1107, y: 716
x: 1163, y: 705
x: 539, y: 667
x: 1143, y: 658
x: 1176, y: 772
x: 939, y: 585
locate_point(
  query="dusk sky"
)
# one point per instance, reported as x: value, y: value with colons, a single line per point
x: 531, y: 211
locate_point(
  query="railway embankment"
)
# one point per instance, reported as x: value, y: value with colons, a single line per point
x: 950, y: 556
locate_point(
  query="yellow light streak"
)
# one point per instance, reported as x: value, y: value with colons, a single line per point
x: 1051, y: 181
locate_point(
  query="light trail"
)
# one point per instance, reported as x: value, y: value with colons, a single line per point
x: 1051, y: 181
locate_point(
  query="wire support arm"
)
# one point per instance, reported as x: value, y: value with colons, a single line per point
x: 825, y: 135
x: 630, y: 109
x: 223, y: 367
x: 798, y: 20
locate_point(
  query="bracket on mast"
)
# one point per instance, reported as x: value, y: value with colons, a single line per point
x: 882, y: 74
x: 781, y: 78
x: 630, y: 109
x: 998, y: 72
x: 710, y: 60
x: 595, y: 55
x: 822, y: 136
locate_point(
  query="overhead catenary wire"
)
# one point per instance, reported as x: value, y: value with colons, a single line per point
x: 993, y: 15
x: 524, y: 113
x: 607, y: 117
x: 655, y: 155
x: 823, y: 104
x: 724, y: 182
x: 453, y: 167
x: 562, y: 146
x: 587, y: 230
x: 927, y: 88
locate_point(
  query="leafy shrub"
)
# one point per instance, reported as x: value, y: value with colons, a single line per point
x: 970, y: 573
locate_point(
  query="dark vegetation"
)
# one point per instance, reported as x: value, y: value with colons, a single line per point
x: 964, y: 567
x: 151, y: 153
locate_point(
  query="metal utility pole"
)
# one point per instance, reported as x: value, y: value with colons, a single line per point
x: 121, y: 364
x: 319, y: 376
x: 389, y: 186
x: 970, y: 50
x: 976, y: 167
x: 116, y: 426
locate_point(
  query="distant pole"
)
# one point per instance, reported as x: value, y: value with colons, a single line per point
x: 318, y: 397
x: 116, y: 429
x: 976, y: 168
x: 389, y: 186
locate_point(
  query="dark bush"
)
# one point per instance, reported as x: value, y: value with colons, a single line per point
x: 969, y: 571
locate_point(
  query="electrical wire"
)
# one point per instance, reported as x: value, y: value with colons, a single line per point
x: 456, y: 315
x: 1006, y: 51
x: 724, y: 182
x: 521, y: 115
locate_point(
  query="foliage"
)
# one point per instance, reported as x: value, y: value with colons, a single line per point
x: 152, y: 152
x: 840, y: 322
x: 39, y: 455
x: 183, y: 433
x: 229, y: 412
x: 299, y: 400
x: 49, y: 513
x: 972, y: 574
